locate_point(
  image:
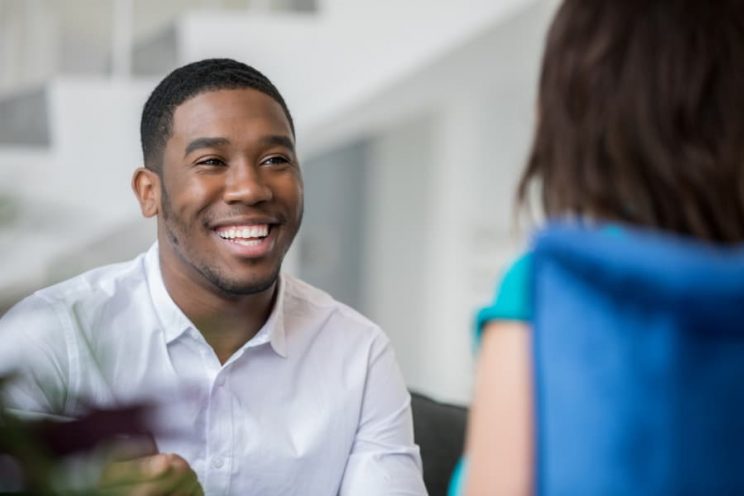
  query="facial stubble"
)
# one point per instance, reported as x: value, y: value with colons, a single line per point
x: 177, y: 230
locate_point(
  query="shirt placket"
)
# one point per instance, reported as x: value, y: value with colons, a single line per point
x: 220, y: 428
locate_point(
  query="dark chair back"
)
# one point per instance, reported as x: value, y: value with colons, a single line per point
x: 439, y: 430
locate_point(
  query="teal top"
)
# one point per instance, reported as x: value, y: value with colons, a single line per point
x: 512, y: 300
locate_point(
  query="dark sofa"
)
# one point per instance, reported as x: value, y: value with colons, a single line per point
x: 439, y: 430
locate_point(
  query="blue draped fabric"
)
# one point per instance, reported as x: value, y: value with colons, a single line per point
x: 639, y: 364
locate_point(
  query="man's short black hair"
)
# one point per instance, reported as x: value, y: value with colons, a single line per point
x: 186, y: 82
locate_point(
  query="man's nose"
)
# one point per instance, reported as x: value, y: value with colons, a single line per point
x: 245, y: 184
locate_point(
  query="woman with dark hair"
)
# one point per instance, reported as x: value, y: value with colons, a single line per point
x: 641, y: 123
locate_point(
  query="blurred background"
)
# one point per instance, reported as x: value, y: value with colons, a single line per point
x: 413, y: 121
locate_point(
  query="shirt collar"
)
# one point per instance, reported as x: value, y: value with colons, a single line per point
x: 176, y: 323
x: 273, y: 330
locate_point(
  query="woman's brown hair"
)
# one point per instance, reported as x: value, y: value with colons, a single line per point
x: 641, y: 116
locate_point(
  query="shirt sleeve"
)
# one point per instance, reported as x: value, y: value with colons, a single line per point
x: 512, y: 300
x: 384, y: 458
x: 34, y: 356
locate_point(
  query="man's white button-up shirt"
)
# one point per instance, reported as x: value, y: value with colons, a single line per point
x: 312, y: 405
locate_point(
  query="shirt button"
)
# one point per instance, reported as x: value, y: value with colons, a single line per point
x: 220, y: 381
x: 218, y: 462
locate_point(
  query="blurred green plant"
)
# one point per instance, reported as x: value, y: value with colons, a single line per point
x: 35, y: 454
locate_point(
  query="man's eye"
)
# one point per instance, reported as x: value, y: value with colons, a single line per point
x: 212, y: 162
x: 276, y: 160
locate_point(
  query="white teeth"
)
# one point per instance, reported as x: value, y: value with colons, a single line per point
x: 248, y: 242
x: 245, y: 232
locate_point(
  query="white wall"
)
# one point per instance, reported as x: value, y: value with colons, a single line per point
x: 327, y: 64
x: 398, y: 223
x: 449, y: 143
x: 439, y: 231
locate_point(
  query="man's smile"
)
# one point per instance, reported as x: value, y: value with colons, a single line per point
x: 248, y: 240
x: 244, y: 233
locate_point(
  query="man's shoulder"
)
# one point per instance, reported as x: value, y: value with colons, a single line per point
x: 310, y: 301
x: 90, y: 289
x: 45, y: 324
x: 100, y: 282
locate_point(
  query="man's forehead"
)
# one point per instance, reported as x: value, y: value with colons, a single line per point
x: 219, y: 108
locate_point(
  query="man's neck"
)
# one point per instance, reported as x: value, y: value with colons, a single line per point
x: 226, y: 321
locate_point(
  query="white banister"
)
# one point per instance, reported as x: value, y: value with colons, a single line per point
x: 122, y: 39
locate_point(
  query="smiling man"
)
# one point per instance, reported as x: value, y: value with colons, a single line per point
x: 266, y: 385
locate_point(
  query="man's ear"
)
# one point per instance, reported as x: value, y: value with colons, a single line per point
x: 146, y: 186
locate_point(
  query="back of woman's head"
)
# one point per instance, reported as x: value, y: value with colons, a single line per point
x: 641, y: 115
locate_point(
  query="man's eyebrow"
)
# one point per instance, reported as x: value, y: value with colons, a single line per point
x: 205, y: 143
x: 278, y: 140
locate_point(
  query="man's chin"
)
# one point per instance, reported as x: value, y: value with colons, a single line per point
x: 244, y: 288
